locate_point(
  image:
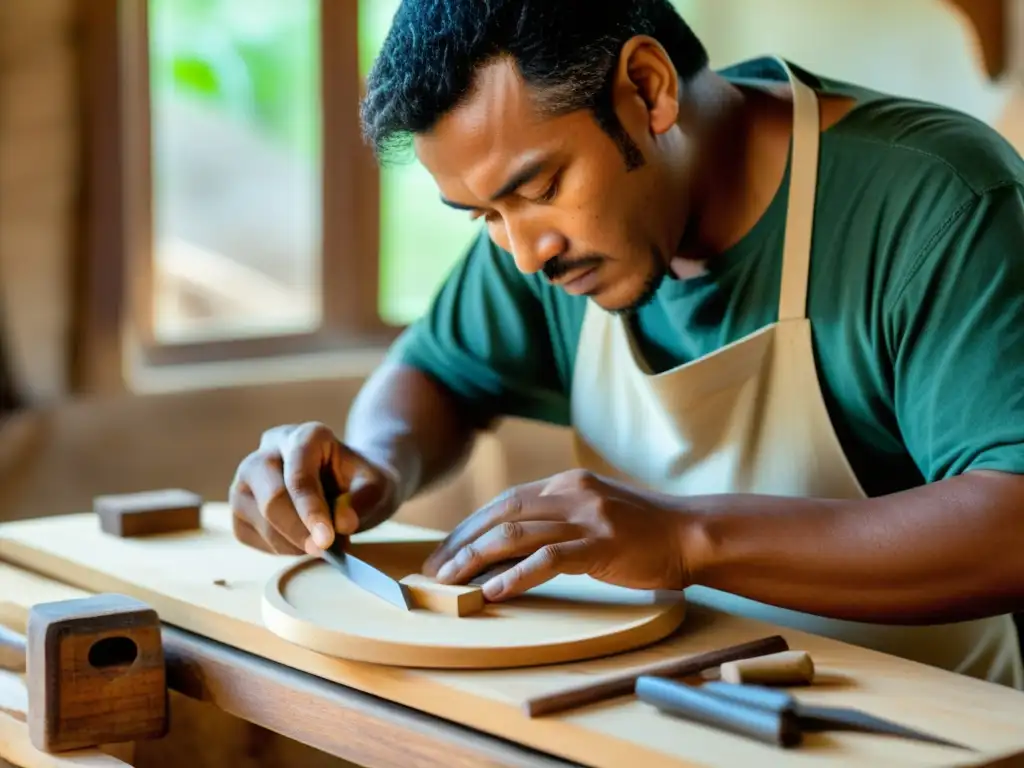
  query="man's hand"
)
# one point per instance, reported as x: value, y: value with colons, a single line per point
x: 575, y: 523
x: 280, y: 494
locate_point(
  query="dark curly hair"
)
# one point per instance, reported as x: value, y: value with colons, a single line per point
x: 566, y: 50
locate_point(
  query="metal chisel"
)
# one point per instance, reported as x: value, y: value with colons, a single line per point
x: 366, y: 576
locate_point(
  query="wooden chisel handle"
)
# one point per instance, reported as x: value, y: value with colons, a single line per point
x: 785, y: 668
x: 12, y: 650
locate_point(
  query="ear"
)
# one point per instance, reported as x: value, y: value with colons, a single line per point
x: 647, y: 79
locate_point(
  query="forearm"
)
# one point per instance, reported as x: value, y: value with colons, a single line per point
x: 948, y: 551
x: 404, y: 420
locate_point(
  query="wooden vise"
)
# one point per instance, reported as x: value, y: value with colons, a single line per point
x: 95, y: 672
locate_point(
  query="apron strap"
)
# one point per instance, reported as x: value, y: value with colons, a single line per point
x: 796, y: 253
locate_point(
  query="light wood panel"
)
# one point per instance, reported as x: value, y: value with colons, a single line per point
x: 17, y: 748
x: 175, y: 575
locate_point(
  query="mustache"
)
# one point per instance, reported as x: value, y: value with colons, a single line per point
x: 558, y: 266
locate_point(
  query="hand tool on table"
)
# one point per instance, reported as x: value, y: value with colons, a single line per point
x: 767, y: 715
x: 621, y: 683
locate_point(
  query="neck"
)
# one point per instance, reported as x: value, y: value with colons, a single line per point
x: 741, y: 137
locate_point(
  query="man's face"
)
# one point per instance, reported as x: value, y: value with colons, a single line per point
x: 556, y: 192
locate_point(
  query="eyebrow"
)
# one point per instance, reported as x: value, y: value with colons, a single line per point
x: 521, y: 177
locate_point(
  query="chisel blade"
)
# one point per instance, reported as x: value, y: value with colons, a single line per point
x: 369, y: 578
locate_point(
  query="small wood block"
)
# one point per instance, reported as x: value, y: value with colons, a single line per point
x: 453, y: 599
x: 785, y: 668
x: 95, y: 673
x: 149, y: 512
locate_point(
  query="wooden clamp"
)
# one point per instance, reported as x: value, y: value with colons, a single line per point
x: 95, y: 673
x: 148, y: 513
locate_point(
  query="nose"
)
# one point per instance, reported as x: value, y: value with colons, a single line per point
x: 532, y: 252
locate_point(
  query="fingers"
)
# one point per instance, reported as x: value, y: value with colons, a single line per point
x: 286, y: 489
x: 272, y: 512
x: 505, y: 541
x: 571, y: 557
x: 305, y: 452
x: 516, y: 504
x: 252, y: 529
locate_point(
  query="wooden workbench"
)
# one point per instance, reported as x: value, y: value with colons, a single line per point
x: 373, y: 715
x: 338, y: 720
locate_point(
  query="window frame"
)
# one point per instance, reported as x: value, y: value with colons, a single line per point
x: 116, y: 310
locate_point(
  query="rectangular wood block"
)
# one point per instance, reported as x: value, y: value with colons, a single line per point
x: 453, y: 599
x: 95, y: 673
x: 149, y: 512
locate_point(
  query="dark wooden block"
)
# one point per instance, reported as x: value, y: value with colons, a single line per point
x: 149, y: 512
x: 95, y: 673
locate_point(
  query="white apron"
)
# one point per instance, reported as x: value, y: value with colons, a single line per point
x: 750, y: 418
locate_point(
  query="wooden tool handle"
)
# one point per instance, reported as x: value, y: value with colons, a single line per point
x: 777, y: 726
x: 12, y: 650
x: 624, y: 682
x: 785, y: 668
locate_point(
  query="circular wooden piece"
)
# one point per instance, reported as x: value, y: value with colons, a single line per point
x: 310, y: 603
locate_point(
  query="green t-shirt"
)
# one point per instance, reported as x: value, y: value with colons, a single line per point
x: 915, y: 296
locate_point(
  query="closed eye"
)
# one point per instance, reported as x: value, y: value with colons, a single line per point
x: 549, y: 194
x: 552, y: 190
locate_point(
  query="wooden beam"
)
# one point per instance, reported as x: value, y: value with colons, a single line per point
x: 989, y: 22
x: 349, y: 724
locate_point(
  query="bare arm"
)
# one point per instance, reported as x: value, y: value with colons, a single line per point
x: 948, y: 551
x: 405, y: 421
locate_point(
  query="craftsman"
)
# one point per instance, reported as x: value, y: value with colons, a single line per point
x: 826, y: 432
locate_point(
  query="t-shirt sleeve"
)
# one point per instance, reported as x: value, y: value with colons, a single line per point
x: 486, y: 338
x: 958, y: 342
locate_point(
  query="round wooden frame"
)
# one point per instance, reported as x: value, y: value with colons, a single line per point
x: 569, y: 618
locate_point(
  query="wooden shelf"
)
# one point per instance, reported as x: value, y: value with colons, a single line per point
x: 989, y: 20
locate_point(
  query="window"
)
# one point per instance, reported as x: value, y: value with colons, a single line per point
x: 232, y: 211
x: 263, y: 227
x: 420, y: 237
x: 235, y: 146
